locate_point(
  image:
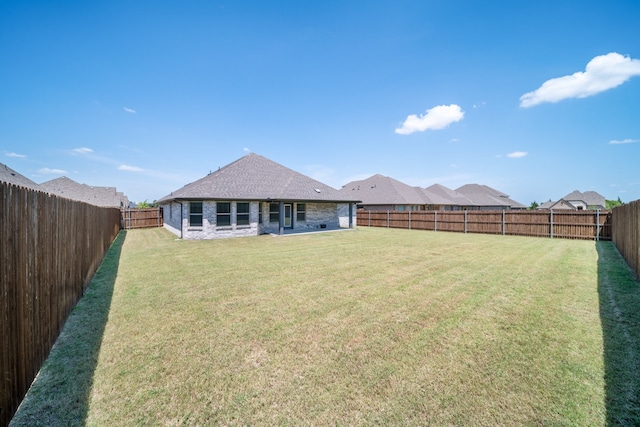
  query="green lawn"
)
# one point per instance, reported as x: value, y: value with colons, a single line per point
x: 372, y: 326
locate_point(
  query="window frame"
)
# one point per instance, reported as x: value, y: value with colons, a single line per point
x: 243, y: 216
x: 194, y: 215
x: 220, y: 215
x: 274, y: 215
x: 301, y: 214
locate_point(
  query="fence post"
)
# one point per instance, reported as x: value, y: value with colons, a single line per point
x: 369, y: 225
x: 598, y: 226
x: 551, y: 223
x: 409, y: 219
x: 503, y: 224
x: 387, y: 219
x: 435, y: 220
x: 465, y: 222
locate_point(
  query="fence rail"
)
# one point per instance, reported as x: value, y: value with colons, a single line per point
x: 142, y: 218
x: 50, y: 247
x: 594, y: 225
x: 626, y: 233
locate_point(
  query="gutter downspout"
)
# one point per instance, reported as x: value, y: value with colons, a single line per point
x: 181, y: 218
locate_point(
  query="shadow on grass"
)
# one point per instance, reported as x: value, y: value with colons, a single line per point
x: 619, y: 294
x: 60, y: 393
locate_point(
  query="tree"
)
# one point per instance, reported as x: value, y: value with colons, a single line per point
x: 144, y: 205
x: 534, y: 205
x: 610, y: 204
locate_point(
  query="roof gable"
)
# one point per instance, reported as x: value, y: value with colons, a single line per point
x: 12, y: 177
x: 446, y: 196
x: 254, y: 177
x: 589, y: 198
x: 98, y: 196
x: 483, y: 195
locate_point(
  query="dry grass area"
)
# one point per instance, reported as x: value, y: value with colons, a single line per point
x: 371, y: 326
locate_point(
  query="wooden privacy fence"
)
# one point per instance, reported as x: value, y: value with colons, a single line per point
x: 594, y: 225
x: 50, y: 247
x: 142, y: 218
x: 626, y: 233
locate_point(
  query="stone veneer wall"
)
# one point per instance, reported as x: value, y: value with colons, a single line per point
x: 331, y: 215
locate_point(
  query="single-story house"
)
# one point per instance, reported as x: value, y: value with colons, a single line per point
x: 484, y: 197
x: 446, y: 199
x: 252, y: 196
x: 379, y: 192
x: 107, y: 197
x: 578, y: 201
x: 69, y: 189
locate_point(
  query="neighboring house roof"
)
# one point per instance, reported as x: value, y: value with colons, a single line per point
x: 562, y: 205
x: 546, y: 205
x: 12, y: 177
x: 383, y: 190
x: 99, y: 196
x: 483, y: 195
x: 441, y: 195
x: 589, y: 198
x: 254, y: 177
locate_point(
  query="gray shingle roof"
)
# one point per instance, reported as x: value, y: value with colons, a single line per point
x: 383, y: 190
x: 442, y: 195
x: 12, y: 177
x: 254, y: 177
x: 99, y: 196
x: 590, y: 198
x: 483, y: 195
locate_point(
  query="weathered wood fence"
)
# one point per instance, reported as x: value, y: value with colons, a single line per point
x: 50, y: 247
x: 595, y: 225
x: 626, y: 233
x: 142, y: 218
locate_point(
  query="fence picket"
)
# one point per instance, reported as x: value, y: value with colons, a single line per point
x: 50, y: 248
x: 593, y: 225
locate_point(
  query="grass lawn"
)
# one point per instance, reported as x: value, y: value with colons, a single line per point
x: 372, y: 326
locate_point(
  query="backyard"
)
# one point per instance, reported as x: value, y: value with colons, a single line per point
x: 358, y: 327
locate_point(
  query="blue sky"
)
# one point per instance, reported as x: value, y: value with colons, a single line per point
x: 535, y: 99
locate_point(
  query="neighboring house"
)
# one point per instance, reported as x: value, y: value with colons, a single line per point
x: 380, y: 192
x: 446, y: 199
x: 577, y: 201
x: 255, y: 195
x: 484, y: 197
x: 98, y: 196
x: 12, y: 177
x: 545, y: 205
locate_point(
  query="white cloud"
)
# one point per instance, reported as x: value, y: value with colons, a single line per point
x: 624, y: 141
x: 130, y: 168
x: 602, y: 73
x: 129, y: 110
x: 246, y: 150
x: 19, y: 156
x: 517, y: 154
x: 438, y: 117
x: 82, y: 150
x: 48, y: 171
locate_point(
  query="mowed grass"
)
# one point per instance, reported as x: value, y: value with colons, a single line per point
x: 372, y: 326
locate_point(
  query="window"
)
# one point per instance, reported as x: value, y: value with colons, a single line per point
x: 301, y: 213
x: 223, y: 214
x: 195, y: 214
x: 242, y: 215
x: 274, y: 212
